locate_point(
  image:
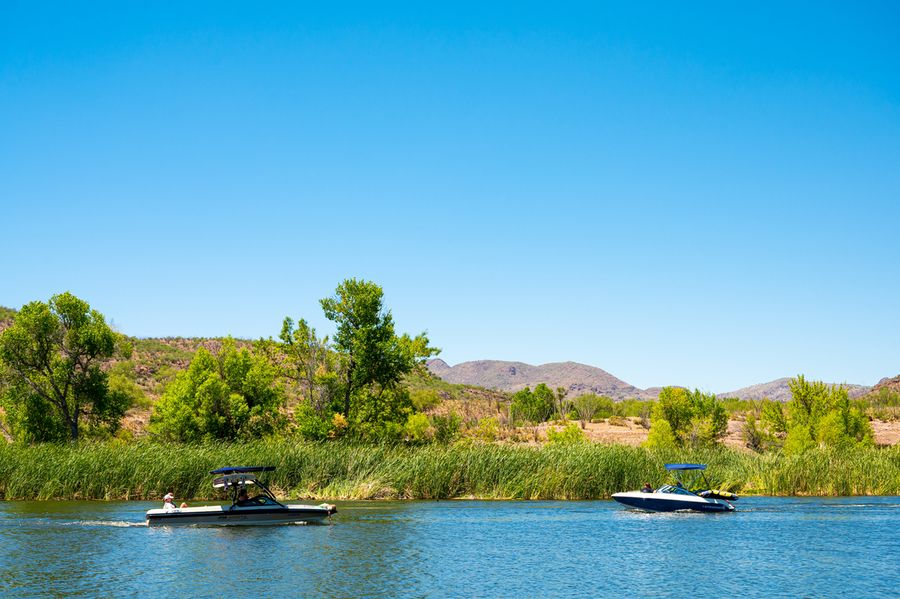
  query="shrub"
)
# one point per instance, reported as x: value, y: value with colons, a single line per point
x: 590, y: 405
x: 121, y: 380
x: 532, y: 406
x: 661, y: 436
x: 446, y: 428
x: 424, y: 399
x: 310, y: 425
x: 417, y: 428
x: 817, y: 415
x: 571, y: 434
x: 487, y: 429
x: 755, y: 435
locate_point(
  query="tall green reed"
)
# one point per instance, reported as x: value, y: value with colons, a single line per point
x: 341, y: 470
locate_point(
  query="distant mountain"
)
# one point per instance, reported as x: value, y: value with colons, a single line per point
x: 780, y: 390
x: 581, y: 378
x: 513, y: 376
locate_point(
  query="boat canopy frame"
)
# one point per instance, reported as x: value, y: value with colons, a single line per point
x: 694, y: 468
x: 238, y: 477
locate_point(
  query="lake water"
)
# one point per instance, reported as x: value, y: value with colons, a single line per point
x: 847, y: 547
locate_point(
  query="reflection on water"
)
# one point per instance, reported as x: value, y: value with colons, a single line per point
x: 796, y: 547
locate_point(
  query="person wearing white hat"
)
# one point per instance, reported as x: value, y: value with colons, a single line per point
x: 168, y: 504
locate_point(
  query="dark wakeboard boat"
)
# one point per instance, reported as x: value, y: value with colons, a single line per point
x: 680, y: 496
x: 263, y: 508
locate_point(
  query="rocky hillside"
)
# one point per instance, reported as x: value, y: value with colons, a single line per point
x: 513, y: 376
x: 891, y: 384
x: 6, y: 316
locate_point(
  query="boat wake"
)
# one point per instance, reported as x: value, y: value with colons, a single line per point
x: 113, y: 523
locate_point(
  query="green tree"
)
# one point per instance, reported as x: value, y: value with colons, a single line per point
x: 822, y: 415
x: 52, y: 354
x: 589, y: 405
x: 226, y: 395
x: 307, y: 361
x: 692, y: 418
x: 374, y: 358
x: 561, y: 404
x: 533, y: 406
x: 817, y: 415
x: 586, y: 406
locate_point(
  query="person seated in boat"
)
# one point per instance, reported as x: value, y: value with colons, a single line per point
x: 169, y: 502
x: 646, y: 488
x: 243, y: 497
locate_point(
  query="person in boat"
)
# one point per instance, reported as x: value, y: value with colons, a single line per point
x: 646, y: 488
x: 169, y: 502
x: 242, y: 497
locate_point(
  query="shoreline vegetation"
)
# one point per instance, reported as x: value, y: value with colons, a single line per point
x: 345, y: 470
x: 88, y: 413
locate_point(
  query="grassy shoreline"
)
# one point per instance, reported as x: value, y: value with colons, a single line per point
x: 340, y: 470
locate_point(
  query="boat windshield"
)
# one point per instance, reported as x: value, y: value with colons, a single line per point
x: 674, y: 489
x: 255, y: 501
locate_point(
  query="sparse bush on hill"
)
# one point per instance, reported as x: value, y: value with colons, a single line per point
x: 486, y: 430
x: 121, y: 380
x: 883, y: 404
x: 446, y: 428
x: 424, y: 399
x: 6, y: 314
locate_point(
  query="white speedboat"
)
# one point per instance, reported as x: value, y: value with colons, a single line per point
x: 670, y: 498
x: 263, y: 508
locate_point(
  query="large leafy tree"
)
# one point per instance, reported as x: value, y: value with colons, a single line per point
x: 52, y: 356
x: 374, y: 358
x: 686, y: 418
x: 226, y: 395
x: 533, y: 406
x: 817, y: 415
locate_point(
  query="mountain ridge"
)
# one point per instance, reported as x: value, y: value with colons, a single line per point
x: 580, y: 379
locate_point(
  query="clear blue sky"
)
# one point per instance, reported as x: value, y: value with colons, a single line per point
x: 679, y: 194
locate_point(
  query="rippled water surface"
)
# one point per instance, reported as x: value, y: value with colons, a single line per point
x: 771, y: 546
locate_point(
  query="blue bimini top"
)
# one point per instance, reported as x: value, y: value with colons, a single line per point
x: 685, y: 466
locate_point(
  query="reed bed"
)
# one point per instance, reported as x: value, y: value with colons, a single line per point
x: 145, y: 470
